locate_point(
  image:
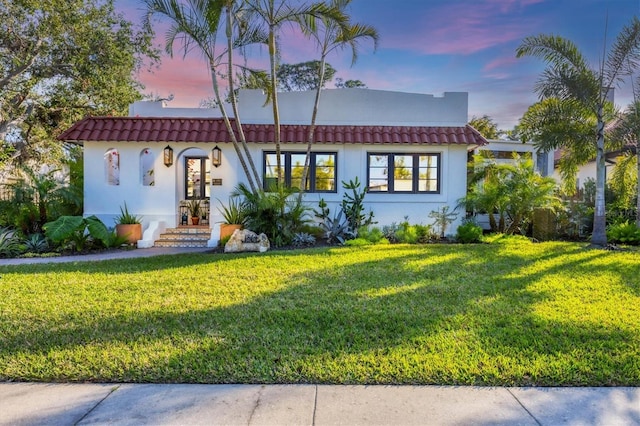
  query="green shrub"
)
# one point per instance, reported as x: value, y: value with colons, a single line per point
x: 625, y: 233
x: 468, y: 232
x: 358, y: 242
x: 371, y: 234
x: 406, y: 233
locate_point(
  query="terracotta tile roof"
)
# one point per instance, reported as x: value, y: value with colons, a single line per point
x: 168, y: 129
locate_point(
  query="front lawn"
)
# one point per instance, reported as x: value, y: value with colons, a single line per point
x: 506, y: 313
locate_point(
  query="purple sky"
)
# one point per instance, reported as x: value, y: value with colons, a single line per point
x: 433, y: 46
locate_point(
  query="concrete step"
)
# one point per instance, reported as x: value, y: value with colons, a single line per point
x: 181, y: 243
x: 184, y: 236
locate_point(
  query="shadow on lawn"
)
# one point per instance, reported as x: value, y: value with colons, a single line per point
x: 433, y: 316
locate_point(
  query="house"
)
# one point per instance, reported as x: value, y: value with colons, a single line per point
x: 409, y: 149
x: 503, y: 151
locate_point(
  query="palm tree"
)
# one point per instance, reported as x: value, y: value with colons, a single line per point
x: 569, y: 77
x: 329, y: 36
x: 626, y: 131
x: 553, y: 123
x: 196, y: 23
x: 273, y: 15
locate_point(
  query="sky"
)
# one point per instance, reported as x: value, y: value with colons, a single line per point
x: 430, y: 46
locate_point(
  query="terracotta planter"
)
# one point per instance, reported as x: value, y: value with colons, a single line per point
x: 195, y: 220
x: 132, y: 232
x: 226, y: 230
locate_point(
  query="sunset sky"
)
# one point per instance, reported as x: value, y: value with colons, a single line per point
x: 433, y: 46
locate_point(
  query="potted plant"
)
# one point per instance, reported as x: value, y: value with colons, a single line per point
x: 194, y: 211
x: 128, y: 226
x: 233, y: 216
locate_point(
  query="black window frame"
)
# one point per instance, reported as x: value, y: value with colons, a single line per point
x: 312, y: 170
x: 415, y: 171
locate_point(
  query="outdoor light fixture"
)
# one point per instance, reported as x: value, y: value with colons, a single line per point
x: 168, y: 156
x: 216, y: 156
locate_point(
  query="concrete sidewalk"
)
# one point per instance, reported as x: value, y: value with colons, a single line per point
x: 151, y: 404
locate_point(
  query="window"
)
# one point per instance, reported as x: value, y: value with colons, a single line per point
x: 197, y: 175
x: 322, y: 170
x: 409, y: 173
x: 112, y: 167
x: 146, y: 167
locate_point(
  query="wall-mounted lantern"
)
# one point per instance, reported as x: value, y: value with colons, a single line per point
x: 216, y: 156
x: 168, y: 156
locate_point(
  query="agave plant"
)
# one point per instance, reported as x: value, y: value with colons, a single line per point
x: 9, y: 243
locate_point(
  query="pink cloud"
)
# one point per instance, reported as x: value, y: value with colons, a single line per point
x: 500, y: 63
x: 457, y: 28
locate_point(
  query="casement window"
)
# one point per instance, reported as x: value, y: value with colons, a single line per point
x: 322, y: 170
x: 403, y: 173
x: 197, y: 172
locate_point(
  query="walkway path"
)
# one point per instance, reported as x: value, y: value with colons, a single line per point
x: 148, y: 404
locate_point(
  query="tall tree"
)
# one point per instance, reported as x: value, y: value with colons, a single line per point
x: 568, y: 76
x: 330, y: 35
x: 349, y: 84
x: 553, y: 123
x: 486, y: 126
x: 197, y: 24
x: 59, y: 61
x: 303, y: 76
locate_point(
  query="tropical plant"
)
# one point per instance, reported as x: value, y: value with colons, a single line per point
x: 568, y: 77
x: 469, y: 232
x: 194, y: 207
x: 278, y: 213
x: 512, y: 190
x: 442, y: 218
x: 330, y: 35
x: 36, y: 243
x: 126, y: 218
x: 626, y: 132
x: 625, y: 233
x: 353, y: 205
x: 197, y: 24
x: 76, y: 230
x: 336, y: 228
x: 36, y: 198
x: 303, y: 239
x: 233, y: 213
x: 9, y: 243
x: 371, y: 234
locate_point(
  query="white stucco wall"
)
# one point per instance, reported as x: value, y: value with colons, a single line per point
x: 159, y: 202
x: 337, y: 106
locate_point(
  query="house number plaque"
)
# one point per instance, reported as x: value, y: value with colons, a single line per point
x: 216, y: 182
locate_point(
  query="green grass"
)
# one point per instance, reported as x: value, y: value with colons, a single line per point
x: 506, y: 313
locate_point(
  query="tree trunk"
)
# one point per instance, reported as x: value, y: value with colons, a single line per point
x: 234, y: 100
x: 312, y: 127
x: 638, y: 180
x: 225, y: 117
x: 276, y: 112
x: 599, y: 235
